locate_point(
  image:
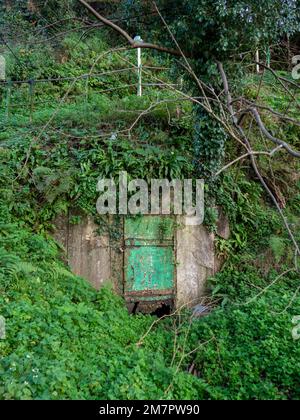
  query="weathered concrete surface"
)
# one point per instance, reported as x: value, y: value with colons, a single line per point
x: 223, y: 231
x: 195, y: 262
x: 89, y: 254
x: 223, y: 227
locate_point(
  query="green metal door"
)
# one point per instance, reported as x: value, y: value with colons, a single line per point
x: 149, y: 259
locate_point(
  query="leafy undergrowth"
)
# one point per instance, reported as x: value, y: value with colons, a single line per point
x: 60, y: 152
x: 66, y: 341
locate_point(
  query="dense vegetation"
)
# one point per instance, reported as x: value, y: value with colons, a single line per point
x: 67, y: 341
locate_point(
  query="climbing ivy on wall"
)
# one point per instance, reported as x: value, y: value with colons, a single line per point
x: 209, y: 143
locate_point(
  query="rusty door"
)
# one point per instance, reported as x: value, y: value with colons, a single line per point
x: 149, y: 259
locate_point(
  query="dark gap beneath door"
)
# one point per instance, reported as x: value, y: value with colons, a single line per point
x: 154, y: 309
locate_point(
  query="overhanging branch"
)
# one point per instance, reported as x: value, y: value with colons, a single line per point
x: 253, y: 159
x: 125, y: 35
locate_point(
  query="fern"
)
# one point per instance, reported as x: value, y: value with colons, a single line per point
x: 52, y: 183
x: 278, y: 246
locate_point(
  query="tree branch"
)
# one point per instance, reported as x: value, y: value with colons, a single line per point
x: 269, y: 154
x: 264, y: 108
x: 253, y: 159
x: 124, y: 34
x: 269, y: 136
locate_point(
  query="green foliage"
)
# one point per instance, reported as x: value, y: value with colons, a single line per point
x: 52, y: 183
x: 253, y: 356
x: 35, y: 12
x: 219, y: 31
x: 67, y: 341
x: 63, y: 171
x: 213, y: 30
x: 209, y: 145
x: 88, y: 138
x: 252, y: 222
x: 278, y: 246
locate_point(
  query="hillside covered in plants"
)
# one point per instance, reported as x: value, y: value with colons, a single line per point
x: 217, y: 104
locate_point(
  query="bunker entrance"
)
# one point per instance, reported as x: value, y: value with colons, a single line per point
x: 157, y: 263
x: 149, y: 263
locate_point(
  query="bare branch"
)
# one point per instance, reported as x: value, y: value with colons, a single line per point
x: 270, y: 154
x: 269, y: 136
x: 266, y: 288
x: 125, y: 35
x: 188, y: 66
x: 265, y: 108
x: 282, y: 79
x: 252, y: 157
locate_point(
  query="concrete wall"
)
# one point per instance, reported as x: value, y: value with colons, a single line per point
x: 195, y: 262
x: 89, y: 254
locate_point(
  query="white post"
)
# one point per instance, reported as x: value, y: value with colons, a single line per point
x: 2, y: 69
x: 140, y: 72
x: 138, y: 39
x: 257, y: 62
